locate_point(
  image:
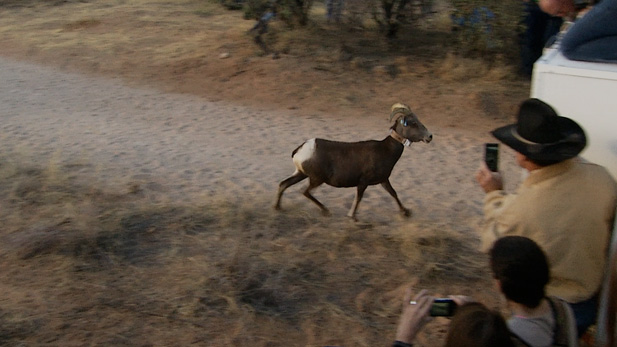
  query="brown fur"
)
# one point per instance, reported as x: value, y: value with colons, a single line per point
x: 357, y: 164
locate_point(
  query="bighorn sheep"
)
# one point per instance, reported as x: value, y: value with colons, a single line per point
x: 356, y: 164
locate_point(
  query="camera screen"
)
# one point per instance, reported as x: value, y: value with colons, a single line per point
x: 442, y: 309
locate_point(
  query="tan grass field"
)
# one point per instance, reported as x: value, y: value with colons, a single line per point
x: 141, y: 147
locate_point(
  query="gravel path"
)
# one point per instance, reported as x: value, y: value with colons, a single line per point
x: 184, y: 148
x: 54, y: 117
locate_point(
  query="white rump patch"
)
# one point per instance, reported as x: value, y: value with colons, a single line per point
x: 304, y: 153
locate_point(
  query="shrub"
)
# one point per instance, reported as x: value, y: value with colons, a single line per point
x: 290, y: 12
x: 487, y: 28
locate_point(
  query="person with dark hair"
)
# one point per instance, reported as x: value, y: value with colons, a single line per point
x: 521, y: 270
x: 473, y: 324
x: 566, y: 205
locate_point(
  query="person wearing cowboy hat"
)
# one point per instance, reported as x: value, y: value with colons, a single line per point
x: 565, y: 204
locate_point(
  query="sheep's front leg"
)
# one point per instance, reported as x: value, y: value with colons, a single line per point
x: 359, y: 193
x: 388, y: 187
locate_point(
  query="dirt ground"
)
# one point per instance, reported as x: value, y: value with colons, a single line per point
x: 197, y: 47
x: 133, y: 130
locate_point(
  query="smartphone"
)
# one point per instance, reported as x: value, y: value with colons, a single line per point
x: 491, y: 156
x: 443, y: 308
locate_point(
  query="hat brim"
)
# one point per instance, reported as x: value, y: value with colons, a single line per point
x: 573, y: 141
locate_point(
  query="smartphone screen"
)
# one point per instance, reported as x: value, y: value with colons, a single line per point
x: 443, y: 308
x: 491, y: 156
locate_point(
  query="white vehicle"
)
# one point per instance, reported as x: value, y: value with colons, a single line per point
x: 587, y: 93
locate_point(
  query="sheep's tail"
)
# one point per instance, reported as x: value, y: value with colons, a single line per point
x: 296, y: 150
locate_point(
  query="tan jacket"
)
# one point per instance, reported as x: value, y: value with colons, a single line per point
x: 568, y: 209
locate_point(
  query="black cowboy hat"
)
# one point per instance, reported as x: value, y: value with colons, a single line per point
x: 541, y: 134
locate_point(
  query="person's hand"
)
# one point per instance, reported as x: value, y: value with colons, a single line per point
x: 414, y: 316
x: 461, y: 299
x: 489, y: 180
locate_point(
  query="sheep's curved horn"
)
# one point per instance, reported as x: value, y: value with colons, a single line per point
x: 399, y: 108
x: 400, y: 105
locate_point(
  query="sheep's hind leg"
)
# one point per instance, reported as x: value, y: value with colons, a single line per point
x: 307, y: 192
x: 388, y: 187
x: 286, y: 183
x: 359, y: 193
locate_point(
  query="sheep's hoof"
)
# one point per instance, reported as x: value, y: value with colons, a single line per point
x: 326, y: 213
x: 406, y: 212
x: 277, y: 207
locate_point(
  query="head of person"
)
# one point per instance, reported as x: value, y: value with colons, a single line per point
x: 558, y: 8
x: 541, y: 136
x: 521, y: 268
x: 474, y: 325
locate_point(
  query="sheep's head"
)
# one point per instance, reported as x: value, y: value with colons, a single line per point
x: 407, y: 124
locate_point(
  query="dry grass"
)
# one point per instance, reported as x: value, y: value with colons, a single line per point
x: 82, y: 263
